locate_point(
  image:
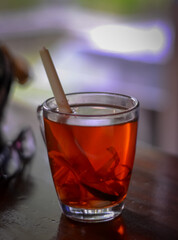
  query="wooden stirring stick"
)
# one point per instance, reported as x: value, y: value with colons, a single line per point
x: 56, y: 86
x: 96, y: 187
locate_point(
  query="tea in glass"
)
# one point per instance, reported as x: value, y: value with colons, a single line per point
x: 91, y: 153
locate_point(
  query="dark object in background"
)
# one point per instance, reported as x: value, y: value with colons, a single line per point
x: 6, y: 78
x: 14, y: 156
x: 11, y: 68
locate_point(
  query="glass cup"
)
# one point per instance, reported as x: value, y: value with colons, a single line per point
x: 91, y: 152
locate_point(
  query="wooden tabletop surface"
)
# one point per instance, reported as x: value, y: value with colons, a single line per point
x: 29, y: 207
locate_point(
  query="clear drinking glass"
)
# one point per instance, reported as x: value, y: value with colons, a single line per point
x: 91, y: 152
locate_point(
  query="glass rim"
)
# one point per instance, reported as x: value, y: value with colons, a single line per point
x: 136, y: 105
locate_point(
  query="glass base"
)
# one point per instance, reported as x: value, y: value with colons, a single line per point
x: 93, y: 215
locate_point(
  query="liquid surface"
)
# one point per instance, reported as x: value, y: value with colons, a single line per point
x: 96, y: 110
x: 91, y: 166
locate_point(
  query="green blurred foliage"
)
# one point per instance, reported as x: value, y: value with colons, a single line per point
x: 17, y: 4
x: 126, y: 6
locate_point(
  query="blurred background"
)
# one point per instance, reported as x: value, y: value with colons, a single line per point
x: 123, y: 46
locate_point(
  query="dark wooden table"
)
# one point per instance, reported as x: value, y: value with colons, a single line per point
x: 29, y: 206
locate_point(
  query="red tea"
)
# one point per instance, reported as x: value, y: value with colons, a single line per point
x: 91, y: 165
